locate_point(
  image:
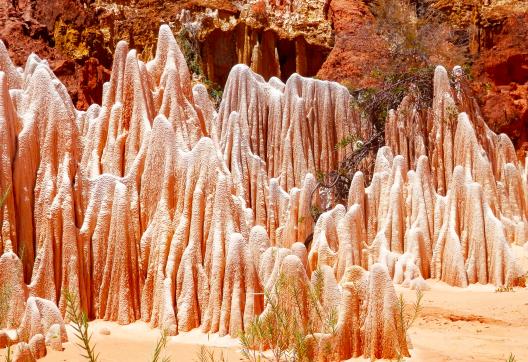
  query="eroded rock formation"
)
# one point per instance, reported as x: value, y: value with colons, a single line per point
x: 155, y: 206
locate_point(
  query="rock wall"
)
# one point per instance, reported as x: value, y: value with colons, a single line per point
x: 155, y: 206
x: 358, y: 50
x: 266, y: 51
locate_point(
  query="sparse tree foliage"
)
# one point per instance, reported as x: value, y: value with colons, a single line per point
x: 338, y: 181
x: 418, y: 37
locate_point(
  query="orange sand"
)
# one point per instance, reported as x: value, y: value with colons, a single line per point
x: 469, y: 324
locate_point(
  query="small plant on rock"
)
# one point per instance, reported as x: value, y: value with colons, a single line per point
x: 4, y: 289
x: 4, y: 309
x: 190, y: 48
x: 4, y: 196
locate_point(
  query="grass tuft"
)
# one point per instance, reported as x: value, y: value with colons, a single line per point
x: 160, y: 346
x: 8, y: 357
x: 408, y: 317
x: 207, y: 354
x: 79, y: 322
x: 408, y: 314
x: 284, y: 330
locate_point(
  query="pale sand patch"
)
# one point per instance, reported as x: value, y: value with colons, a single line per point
x: 471, y: 324
x: 136, y: 342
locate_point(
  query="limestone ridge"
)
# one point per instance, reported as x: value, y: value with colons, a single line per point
x: 155, y: 206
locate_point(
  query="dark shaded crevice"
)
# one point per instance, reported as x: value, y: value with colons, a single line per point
x: 263, y: 50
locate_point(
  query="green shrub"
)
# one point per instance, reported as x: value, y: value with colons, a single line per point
x: 283, y: 330
x: 190, y: 48
x: 408, y: 314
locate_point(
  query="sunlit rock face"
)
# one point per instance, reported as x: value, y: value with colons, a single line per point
x: 156, y: 206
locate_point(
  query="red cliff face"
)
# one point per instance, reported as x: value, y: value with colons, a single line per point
x: 497, y: 48
x: 336, y: 39
x: 79, y: 43
x: 501, y: 71
x: 33, y: 27
x: 358, y: 49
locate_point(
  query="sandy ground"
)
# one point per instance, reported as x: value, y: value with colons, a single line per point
x: 137, y: 341
x: 471, y: 324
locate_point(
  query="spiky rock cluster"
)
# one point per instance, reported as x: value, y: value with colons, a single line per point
x: 155, y: 206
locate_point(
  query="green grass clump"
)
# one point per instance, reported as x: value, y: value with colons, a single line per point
x: 160, y: 346
x: 79, y: 322
x: 207, y: 354
x: 408, y: 314
x: 284, y: 331
x: 8, y: 357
